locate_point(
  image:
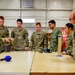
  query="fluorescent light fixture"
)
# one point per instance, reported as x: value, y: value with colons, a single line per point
x: 28, y: 20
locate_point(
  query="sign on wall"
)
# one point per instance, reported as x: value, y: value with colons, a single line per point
x: 27, y: 3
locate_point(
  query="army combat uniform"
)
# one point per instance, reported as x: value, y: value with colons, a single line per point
x: 69, y: 43
x: 20, y: 36
x: 4, y: 33
x: 1, y: 44
x: 54, y: 40
x: 73, y: 51
x: 39, y: 41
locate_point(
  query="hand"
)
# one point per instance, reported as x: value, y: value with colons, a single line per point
x: 63, y: 53
x: 26, y: 48
x: 6, y: 39
x: 12, y: 39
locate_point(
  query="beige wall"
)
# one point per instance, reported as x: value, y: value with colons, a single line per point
x: 52, y: 9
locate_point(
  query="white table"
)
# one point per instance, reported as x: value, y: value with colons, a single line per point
x: 19, y: 65
x: 25, y: 63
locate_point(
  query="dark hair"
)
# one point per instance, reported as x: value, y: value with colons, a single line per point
x: 38, y: 23
x: 1, y: 17
x: 52, y: 21
x: 69, y: 25
x: 19, y: 20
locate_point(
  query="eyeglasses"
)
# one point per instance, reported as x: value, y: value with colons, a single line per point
x: 71, y: 19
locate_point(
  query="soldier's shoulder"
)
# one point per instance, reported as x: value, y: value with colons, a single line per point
x: 72, y: 34
x: 24, y: 29
x: 43, y: 32
x: 33, y: 33
x: 14, y: 29
x: 5, y: 27
x: 59, y: 30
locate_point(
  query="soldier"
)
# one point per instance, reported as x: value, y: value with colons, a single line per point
x: 69, y: 40
x: 4, y: 34
x: 72, y: 20
x: 20, y: 35
x: 54, y: 36
x: 39, y: 40
x: 1, y: 45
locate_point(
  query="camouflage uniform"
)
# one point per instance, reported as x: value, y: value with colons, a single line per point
x: 39, y: 41
x: 69, y: 43
x: 3, y: 34
x: 20, y: 38
x: 54, y: 40
x: 1, y: 45
x: 73, y: 51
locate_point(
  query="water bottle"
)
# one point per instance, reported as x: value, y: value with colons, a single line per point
x: 59, y: 44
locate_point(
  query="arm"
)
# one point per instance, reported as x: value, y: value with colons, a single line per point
x: 69, y: 44
x: 26, y: 38
x: 1, y: 45
x: 45, y: 41
x: 7, y: 32
x: 31, y: 42
x: 6, y: 35
x: 12, y: 34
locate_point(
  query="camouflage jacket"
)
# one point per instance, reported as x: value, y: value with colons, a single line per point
x: 4, y: 32
x: 39, y: 41
x: 20, y: 38
x: 54, y: 39
x: 1, y: 44
x: 69, y: 43
x: 73, y: 51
